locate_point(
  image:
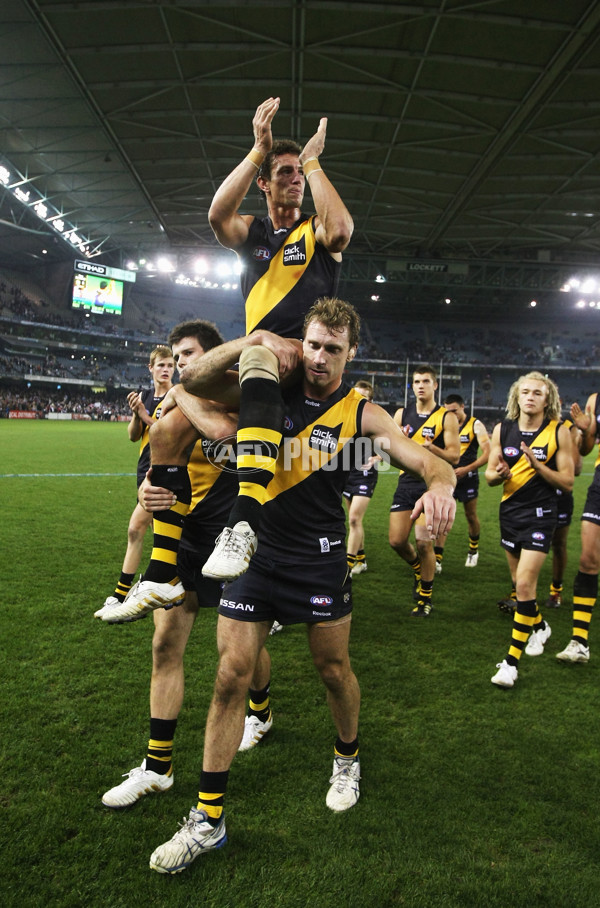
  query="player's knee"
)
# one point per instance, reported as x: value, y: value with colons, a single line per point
x: 258, y: 362
x: 233, y: 678
x: 166, y: 651
x: 424, y: 546
x: 333, y: 673
x: 589, y: 562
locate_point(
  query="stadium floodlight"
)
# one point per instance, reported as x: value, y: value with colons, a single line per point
x: 200, y: 266
x: 165, y: 265
x: 223, y: 269
x: 380, y: 279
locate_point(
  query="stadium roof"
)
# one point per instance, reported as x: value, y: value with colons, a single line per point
x: 458, y: 130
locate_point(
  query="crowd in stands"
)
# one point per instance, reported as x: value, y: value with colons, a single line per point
x: 42, y: 402
x: 102, y: 349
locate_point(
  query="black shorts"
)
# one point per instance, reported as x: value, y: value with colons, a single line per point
x: 361, y: 483
x: 408, y: 491
x: 564, y: 501
x: 534, y: 534
x: 189, y: 569
x: 591, y: 508
x: 467, y: 488
x: 290, y: 593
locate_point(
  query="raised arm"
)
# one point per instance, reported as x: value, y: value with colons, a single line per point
x: 229, y: 226
x: 334, y: 225
x: 140, y: 418
x: 586, y: 421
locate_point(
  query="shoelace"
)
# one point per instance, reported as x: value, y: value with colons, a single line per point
x: 235, y: 544
x: 342, y: 774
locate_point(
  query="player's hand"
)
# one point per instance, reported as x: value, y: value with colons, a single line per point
x: 288, y: 350
x: 439, y: 509
x: 533, y: 461
x: 261, y: 125
x: 459, y: 472
x: 134, y: 399
x: 315, y: 145
x: 582, y: 420
x: 154, y: 498
x: 502, y: 468
x: 169, y: 401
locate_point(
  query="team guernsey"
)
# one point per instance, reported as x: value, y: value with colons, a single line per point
x: 468, y: 486
x: 299, y: 572
x: 284, y: 272
x: 528, y: 500
x: 214, y: 483
x: 591, y: 508
x: 152, y: 403
x: 564, y: 499
x: 469, y: 444
x: 421, y: 427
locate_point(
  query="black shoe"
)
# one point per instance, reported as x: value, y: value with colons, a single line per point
x: 422, y: 609
x: 508, y: 606
x: 553, y: 601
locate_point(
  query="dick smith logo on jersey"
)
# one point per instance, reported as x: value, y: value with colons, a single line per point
x: 325, y: 439
x: 295, y: 253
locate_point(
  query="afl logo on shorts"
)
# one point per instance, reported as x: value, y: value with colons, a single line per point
x: 321, y: 600
x: 510, y: 451
x: 261, y: 253
x: 539, y: 537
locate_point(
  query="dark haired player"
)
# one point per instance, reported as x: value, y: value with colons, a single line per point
x: 299, y: 573
x: 472, y: 436
x: 431, y: 426
x: 290, y: 259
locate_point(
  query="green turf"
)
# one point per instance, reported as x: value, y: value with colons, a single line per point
x: 471, y: 796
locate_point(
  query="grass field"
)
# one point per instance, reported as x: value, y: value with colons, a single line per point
x: 471, y: 796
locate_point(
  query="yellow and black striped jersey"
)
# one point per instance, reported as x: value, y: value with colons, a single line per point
x: 153, y: 404
x: 526, y: 488
x: 469, y: 445
x: 423, y: 427
x: 303, y: 516
x: 284, y: 272
x: 214, y: 485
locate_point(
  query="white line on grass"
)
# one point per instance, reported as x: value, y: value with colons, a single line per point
x: 44, y: 475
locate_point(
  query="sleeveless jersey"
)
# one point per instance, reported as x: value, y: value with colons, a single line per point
x: 423, y: 427
x: 214, y: 489
x: 284, y: 272
x: 303, y: 514
x: 596, y: 480
x: 527, y: 490
x: 153, y: 407
x: 468, y: 442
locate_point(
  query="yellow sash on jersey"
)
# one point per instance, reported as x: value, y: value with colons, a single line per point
x: 292, y: 470
x: 279, y: 279
x: 203, y: 474
x: 434, y: 421
x: 469, y: 430
x: 522, y: 471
